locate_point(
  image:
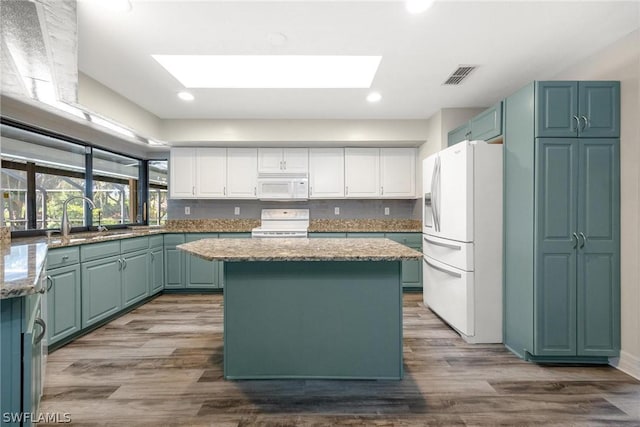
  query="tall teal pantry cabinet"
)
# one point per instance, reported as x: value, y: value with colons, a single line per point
x: 562, y: 221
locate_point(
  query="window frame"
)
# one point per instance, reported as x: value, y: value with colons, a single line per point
x: 31, y: 168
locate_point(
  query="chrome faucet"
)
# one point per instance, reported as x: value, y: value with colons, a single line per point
x: 65, y: 227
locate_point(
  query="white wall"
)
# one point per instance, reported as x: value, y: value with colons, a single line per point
x: 621, y: 61
x: 437, y: 129
x: 104, y: 101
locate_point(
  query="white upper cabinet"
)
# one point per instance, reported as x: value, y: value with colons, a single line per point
x: 326, y: 173
x: 242, y: 167
x: 279, y: 160
x: 211, y: 172
x: 182, y: 173
x: 362, y: 172
x: 398, y: 172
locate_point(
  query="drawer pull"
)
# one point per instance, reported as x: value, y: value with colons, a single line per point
x: 49, y: 283
x: 444, y: 270
x: 444, y: 245
x: 65, y: 258
x: 43, y: 325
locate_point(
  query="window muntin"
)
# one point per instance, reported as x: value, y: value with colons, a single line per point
x: 158, y: 194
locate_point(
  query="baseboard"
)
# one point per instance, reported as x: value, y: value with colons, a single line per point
x: 627, y: 363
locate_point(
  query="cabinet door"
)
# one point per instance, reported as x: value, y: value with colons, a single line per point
x: 362, y: 172
x: 270, y: 160
x: 200, y: 273
x: 242, y: 173
x: 63, y: 303
x: 459, y: 134
x: 556, y: 199
x: 412, y: 274
x: 174, y: 268
x: 296, y: 160
x: 101, y: 289
x: 599, y: 109
x: 211, y: 172
x: 398, y: 172
x: 135, y: 277
x: 556, y: 109
x: 326, y: 173
x: 32, y: 374
x: 182, y: 173
x: 156, y: 271
x: 488, y: 124
x: 598, y: 289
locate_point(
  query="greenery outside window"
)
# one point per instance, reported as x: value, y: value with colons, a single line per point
x: 158, y: 194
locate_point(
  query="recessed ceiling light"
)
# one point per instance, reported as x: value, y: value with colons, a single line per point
x: 374, y: 97
x: 418, y: 6
x: 271, y: 71
x: 186, y: 96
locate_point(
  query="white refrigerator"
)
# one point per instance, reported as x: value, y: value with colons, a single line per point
x: 462, y: 239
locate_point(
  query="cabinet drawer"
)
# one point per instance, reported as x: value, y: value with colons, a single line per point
x: 327, y: 235
x: 156, y: 241
x: 456, y: 254
x: 365, y: 235
x: 199, y: 236
x: 234, y: 235
x: 99, y: 250
x: 63, y: 256
x: 413, y: 240
x: 134, y: 244
x: 173, y: 239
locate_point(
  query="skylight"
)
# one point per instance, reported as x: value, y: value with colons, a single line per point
x: 271, y: 71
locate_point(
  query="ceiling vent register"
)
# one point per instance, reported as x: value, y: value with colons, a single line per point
x: 460, y: 74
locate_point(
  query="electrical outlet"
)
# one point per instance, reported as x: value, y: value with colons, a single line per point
x: 386, y: 211
x: 336, y: 210
x: 187, y: 210
x: 236, y: 210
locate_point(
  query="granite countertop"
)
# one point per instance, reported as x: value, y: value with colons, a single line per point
x: 20, y: 268
x: 300, y: 250
x: 24, y: 258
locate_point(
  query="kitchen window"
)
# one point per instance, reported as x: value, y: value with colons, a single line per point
x: 40, y: 171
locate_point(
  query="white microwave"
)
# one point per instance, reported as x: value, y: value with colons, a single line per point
x: 285, y: 187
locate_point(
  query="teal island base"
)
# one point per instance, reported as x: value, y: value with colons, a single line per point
x: 313, y: 319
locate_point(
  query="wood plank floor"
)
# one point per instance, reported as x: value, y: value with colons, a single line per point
x: 162, y: 365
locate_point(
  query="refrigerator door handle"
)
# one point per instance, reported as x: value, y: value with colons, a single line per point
x: 444, y: 245
x: 434, y: 178
x: 442, y: 269
x: 437, y: 193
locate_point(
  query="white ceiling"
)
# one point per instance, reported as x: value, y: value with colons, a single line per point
x: 512, y: 42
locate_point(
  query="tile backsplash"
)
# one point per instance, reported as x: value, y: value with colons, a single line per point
x: 319, y: 209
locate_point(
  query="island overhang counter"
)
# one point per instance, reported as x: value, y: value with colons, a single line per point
x: 310, y: 308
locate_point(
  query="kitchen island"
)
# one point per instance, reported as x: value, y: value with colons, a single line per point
x: 310, y: 308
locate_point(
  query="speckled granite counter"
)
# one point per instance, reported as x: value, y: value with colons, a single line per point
x: 20, y: 269
x: 315, y: 225
x: 365, y: 225
x: 300, y: 250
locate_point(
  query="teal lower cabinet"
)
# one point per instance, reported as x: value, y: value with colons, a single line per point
x: 174, y: 262
x: 135, y: 277
x: 101, y: 289
x: 156, y: 270
x: 200, y: 273
x: 357, y: 235
x: 63, y: 303
x: 313, y: 320
x: 327, y: 235
x: 22, y: 331
x: 411, y: 270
